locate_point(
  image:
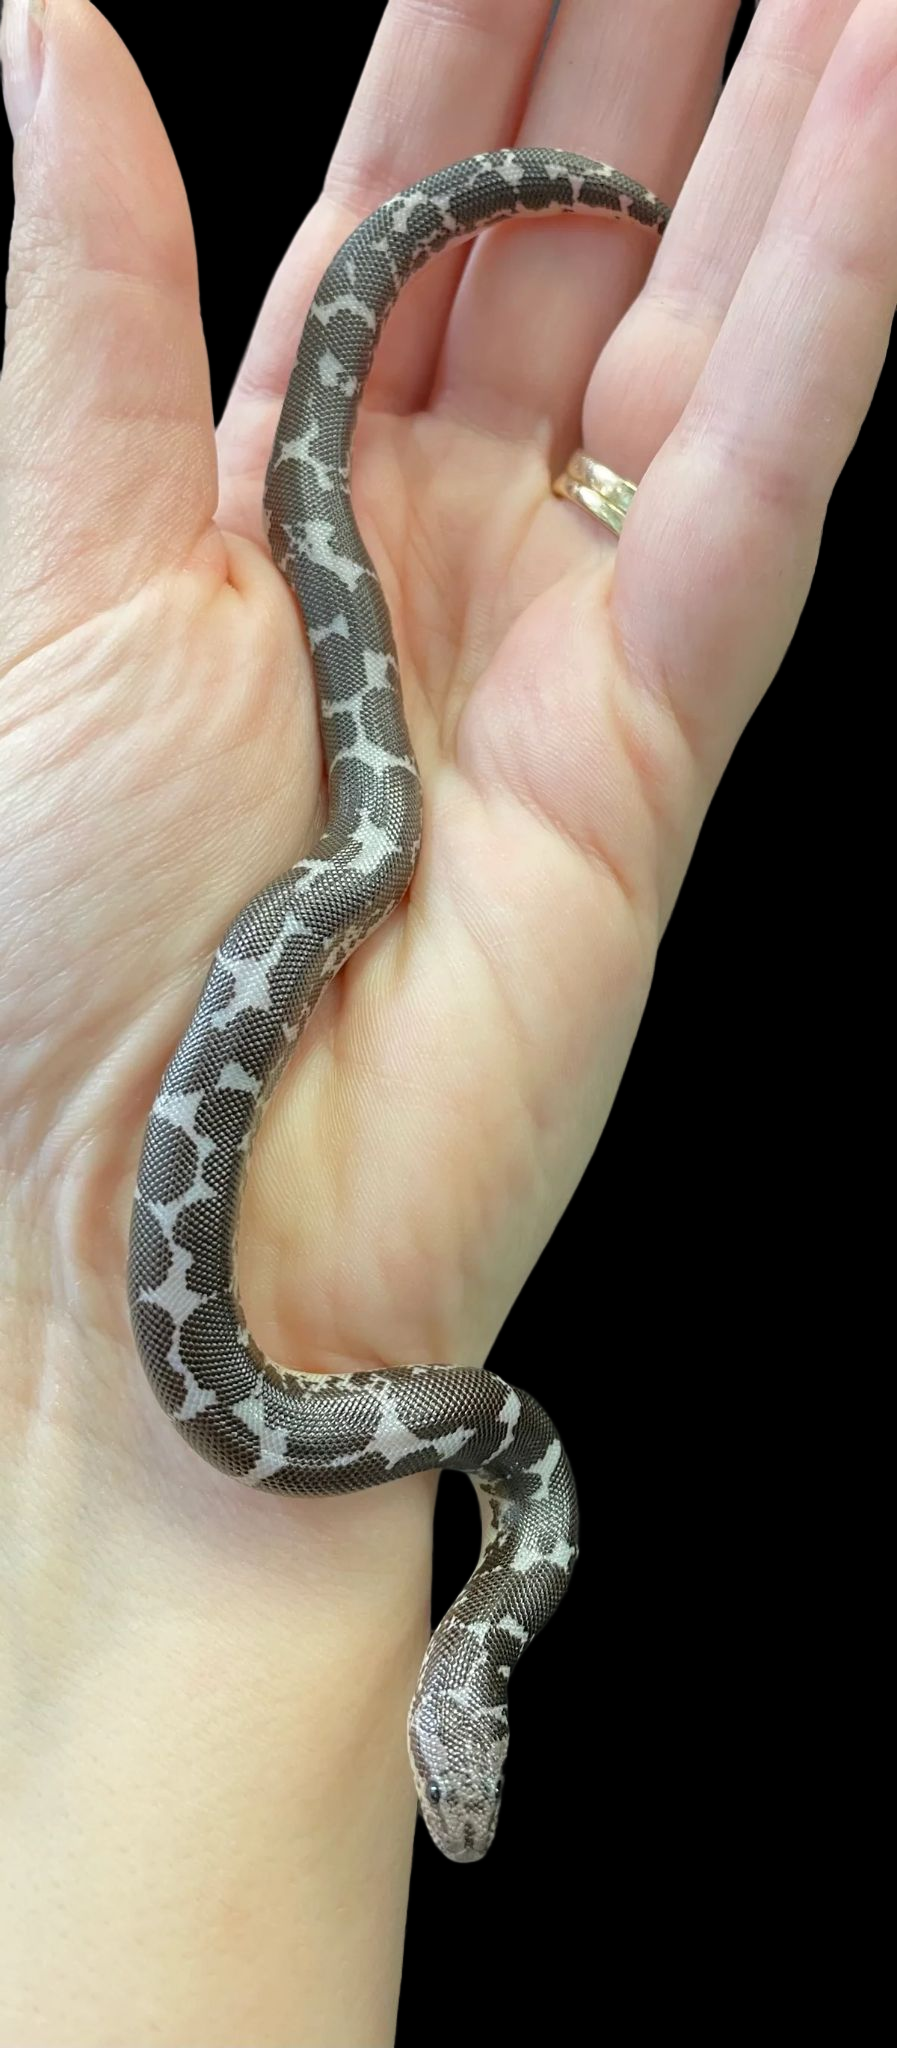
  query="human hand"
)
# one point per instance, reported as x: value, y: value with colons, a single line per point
x: 571, y: 706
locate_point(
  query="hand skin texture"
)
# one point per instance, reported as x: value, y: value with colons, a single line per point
x: 572, y: 705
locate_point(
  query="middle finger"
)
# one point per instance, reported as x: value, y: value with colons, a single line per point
x: 635, y: 87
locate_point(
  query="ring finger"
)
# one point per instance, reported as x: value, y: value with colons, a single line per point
x: 634, y: 86
x: 668, y: 333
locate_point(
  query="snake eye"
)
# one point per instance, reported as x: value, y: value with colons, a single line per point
x: 434, y: 1792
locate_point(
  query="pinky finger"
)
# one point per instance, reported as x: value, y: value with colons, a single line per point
x: 719, y: 549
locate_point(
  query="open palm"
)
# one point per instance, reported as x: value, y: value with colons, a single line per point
x: 571, y: 704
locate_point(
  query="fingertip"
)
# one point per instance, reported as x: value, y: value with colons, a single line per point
x: 105, y: 372
x: 98, y: 166
x: 22, y: 59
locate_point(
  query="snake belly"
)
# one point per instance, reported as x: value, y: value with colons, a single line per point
x: 325, y: 1433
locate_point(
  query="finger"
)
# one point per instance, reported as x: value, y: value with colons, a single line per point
x: 632, y: 86
x: 105, y: 413
x: 646, y: 373
x: 719, y: 549
x: 440, y: 82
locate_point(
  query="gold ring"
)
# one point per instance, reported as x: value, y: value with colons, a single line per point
x: 597, y: 489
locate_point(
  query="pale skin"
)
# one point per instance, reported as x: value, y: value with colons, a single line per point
x: 572, y: 705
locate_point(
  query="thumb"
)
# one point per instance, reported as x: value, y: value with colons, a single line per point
x: 106, y: 436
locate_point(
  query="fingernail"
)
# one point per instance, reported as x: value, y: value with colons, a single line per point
x: 22, y: 56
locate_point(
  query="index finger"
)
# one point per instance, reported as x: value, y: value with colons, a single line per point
x: 440, y: 83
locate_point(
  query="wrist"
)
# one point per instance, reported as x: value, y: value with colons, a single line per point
x: 203, y: 1716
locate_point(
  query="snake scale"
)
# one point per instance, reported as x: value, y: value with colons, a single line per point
x: 324, y: 1433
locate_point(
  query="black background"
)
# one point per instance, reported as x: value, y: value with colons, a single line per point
x: 691, y: 1321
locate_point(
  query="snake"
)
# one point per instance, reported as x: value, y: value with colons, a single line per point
x: 319, y: 1433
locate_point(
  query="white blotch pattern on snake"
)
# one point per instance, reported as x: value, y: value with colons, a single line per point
x: 313, y: 1433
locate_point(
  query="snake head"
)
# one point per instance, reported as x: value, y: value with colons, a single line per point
x: 458, y: 1759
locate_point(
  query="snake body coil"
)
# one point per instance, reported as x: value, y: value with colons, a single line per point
x: 323, y: 1433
